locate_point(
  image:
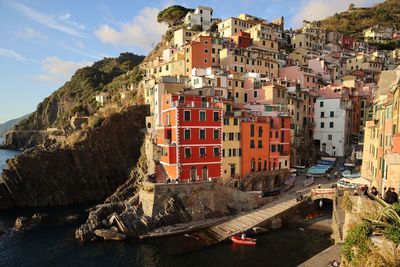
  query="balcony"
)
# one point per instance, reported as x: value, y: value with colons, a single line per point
x: 193, y: 104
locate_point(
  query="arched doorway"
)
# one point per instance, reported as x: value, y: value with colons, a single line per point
x: 193, y: 174
x: 205, y: 173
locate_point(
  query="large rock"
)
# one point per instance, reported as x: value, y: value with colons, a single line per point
x: 21, y: 223
x: 109, y: 234
x: 88, y: 168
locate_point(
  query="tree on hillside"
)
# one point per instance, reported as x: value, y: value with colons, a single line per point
x: 351, y: 6
x: 173, y: 15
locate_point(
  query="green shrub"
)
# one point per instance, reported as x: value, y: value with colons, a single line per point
x: 356, y: 244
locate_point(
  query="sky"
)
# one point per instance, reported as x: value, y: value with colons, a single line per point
x: 43, y: 42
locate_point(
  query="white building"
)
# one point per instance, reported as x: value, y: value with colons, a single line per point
x: 332, y: 117
x: 201, y: 16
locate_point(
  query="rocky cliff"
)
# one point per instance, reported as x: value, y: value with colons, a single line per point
x: 77, y: 96
x: 88, y: 166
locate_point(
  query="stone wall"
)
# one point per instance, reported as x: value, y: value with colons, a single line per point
x: 201, y: 199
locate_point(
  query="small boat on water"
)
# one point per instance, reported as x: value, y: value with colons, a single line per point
x: 308, y: 181
x: 244, y: 241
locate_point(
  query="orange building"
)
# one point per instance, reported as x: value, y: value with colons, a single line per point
x: 255, y: 145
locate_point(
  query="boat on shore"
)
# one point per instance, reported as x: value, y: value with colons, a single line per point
x: 244, y: 241
x: 349, y: 174
x: 308, y: 181
x: 271, y: 193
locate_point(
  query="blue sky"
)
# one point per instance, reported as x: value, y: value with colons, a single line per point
x: 44, y: 41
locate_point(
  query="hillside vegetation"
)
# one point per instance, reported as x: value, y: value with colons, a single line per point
x: 355, y: 20
x: 78, y: 94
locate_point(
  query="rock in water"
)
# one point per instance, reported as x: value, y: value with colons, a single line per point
x: 109, y: 234
x: 21, y: 223
x: 38, y: 218
x: 88, y: 168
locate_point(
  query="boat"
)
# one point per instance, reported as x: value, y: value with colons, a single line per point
x: 271, y: 193
x: 244, y: 241
x: 308, y: 181
x: 289, y: 186
x: 348, y: 174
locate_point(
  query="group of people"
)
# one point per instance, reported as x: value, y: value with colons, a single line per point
x: 391, y: 196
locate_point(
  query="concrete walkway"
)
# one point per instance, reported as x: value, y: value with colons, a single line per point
x: 324, y: 258
x: 242, y: 223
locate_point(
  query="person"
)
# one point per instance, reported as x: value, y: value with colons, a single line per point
x: 329, y: 176
x: 366, y: 190
x: 243, y: 237
x: 374, y: 191
x: 395, y: 196
x: 336, y: 174
x: 388, y: 196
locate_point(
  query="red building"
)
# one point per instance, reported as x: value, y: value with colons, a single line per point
x: 242, y: 39
x: 191, y: 137
x: 279, y: 139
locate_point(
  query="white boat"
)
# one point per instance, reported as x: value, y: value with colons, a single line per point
x: 348, y: 174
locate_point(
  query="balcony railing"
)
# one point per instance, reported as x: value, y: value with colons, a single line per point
x: 193, y: 104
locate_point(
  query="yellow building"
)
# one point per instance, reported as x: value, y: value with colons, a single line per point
x: 249, y: 60
x: 183, y: 36
x: 231, y: 152
x: 231, y: 26
x: 308, y: 41
x: 236, y: 88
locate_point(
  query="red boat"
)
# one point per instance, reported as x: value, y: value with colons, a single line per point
x: 243, y: 241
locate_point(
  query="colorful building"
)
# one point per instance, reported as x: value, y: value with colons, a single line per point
x: 255, y: 145
x: 190, y: 137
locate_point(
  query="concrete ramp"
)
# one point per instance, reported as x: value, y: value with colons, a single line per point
x: 242, y: 223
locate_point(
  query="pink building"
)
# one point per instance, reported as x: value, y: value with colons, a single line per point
x: 302, y: 75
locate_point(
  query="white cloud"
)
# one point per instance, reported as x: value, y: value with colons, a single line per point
x: 57, y: 70
x: 143, y: 31
x: 14, y: 55
x: 319, y: 9
x: 49, y: 21
x: 31, y: 33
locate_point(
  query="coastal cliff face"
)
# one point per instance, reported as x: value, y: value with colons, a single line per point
x: 23, y: 139
x: 89, y: 166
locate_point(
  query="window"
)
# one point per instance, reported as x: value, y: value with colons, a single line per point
x: 322, y: 114
x: 202, y: 134
x: 260, y: 131
x: 273, y: 148
x: 255, y: 94
x: 331, y: 124
x: 276, y: 134
x: 202, y: 152
x: 321, y: 104
x: 187, y: 115
x: 229, y: 152
x: 226, y: 121
x: 216, y: 134
x: 332, y: 114
x: 252, y: 144
x: 260, y: 144
x: 187, y: 134
x: 231, y: 136
x: 322, y: 125
x: 252, y: 130
x: 188, y: 153
x: 216, y: 151
x: 216, y: 116
x: 329, y: 137
x: 235, y: 121
x: 202, y: 115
